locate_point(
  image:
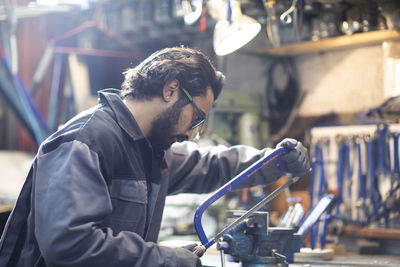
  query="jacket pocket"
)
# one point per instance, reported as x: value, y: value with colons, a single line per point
x: 129, y: 202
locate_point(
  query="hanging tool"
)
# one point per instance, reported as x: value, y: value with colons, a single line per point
x: 272, y: 157
x: 362, y: 211
x: 294, y: 15
x: 381, y: 170
x: 315, y: 166
x: 396, y: 168
x: 272, y: 23
x: 313, y: 181
x: 389, y: 207
x: 192, y: 16
x: 348, y: 178
x: 353, y: 182
x: 298, y: 19
x: 393, y: 200
x: 322, y: 184
x: 382, y: 174
x: 318, y: 183
x: 339, y: 173
x: 286, y: 17
x: 373, y: 194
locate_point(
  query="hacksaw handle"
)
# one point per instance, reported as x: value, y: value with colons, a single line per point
x: 199, y: 250
x: 228, y: 187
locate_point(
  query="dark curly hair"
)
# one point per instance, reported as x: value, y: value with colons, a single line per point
x: 190, y: 67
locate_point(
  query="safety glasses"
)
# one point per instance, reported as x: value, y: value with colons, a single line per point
x: 202, y: 116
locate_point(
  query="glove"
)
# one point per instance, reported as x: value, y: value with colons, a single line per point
x: 195, y: 249
x: 190, y: 246
x: 186, y: 257
x: 296, y: 161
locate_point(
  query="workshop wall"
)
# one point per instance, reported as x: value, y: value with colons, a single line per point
x: 345, y: 81
x: 341, y: 81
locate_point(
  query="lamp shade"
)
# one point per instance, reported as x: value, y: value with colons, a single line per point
x: 228, y: 37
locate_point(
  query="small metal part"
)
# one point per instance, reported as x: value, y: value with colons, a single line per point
x: 222, y: 258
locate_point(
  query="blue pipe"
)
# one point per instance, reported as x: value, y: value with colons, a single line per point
x: 32, y: 106
x: 32, y: 114
x: 6, y: 88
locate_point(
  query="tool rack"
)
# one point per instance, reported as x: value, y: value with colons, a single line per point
x: 360, y: 165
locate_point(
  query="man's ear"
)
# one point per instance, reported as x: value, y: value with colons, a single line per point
x: 170, y: 90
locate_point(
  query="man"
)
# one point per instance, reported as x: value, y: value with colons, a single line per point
x: 96, y: 190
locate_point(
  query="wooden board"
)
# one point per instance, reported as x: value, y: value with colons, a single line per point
x: 344, y: 41
x: 372, y: 232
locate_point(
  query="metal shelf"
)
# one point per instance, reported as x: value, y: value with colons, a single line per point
x: 333, y: 43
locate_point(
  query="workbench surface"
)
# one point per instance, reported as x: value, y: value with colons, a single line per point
x: 351, y: 259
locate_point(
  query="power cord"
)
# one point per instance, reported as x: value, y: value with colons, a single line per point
x: 282, y: 95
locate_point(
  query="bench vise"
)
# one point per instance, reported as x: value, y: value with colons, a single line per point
x: 254, y: 243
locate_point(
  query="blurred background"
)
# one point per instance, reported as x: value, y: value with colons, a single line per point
x: 325, y: 72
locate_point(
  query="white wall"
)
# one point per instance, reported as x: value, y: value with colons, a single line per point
x: 349, y: 80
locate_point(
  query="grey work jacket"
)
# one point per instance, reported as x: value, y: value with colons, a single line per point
x: 96, y: 191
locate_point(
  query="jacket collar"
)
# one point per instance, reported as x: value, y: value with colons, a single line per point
x: 123, y: 116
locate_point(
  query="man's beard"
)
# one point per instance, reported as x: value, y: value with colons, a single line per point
x: 162, y: 134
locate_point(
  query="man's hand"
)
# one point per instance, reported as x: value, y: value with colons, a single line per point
x: 186, y: 256
x: 196, y: 249
x: 296, y: 161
